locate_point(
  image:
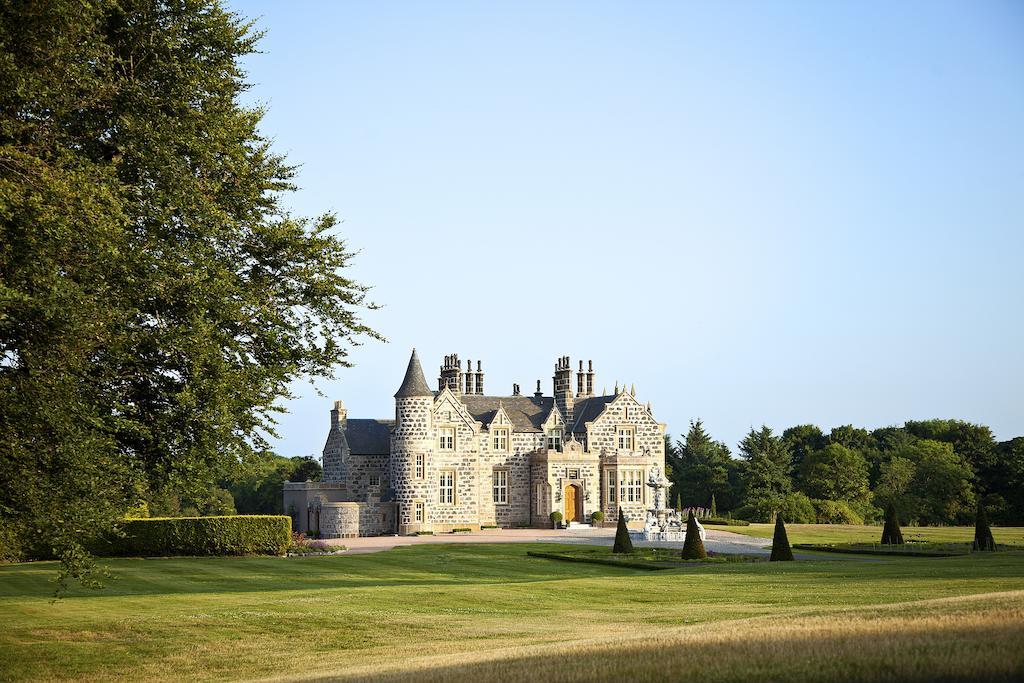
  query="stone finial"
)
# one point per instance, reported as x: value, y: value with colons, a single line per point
x: 616, y: 387
x: 632, y: 391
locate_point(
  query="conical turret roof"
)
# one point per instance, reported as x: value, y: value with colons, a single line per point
x: 414, y: 383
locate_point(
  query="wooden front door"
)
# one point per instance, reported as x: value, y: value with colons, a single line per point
x: 570, y: 504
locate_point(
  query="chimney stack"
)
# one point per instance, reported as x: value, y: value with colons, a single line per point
x: 590, y: 378
x: 479, y: 380
x: 563, y: 387
x: 538, y: 393
x: 469, y: 377
x: 451, y: 374
x: 515, y: 389
x: 339, y: 416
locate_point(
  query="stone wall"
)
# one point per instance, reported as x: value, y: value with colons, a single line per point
x: 349, y: 520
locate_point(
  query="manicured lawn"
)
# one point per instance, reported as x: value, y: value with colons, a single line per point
x: 480, y: 612
x: 850, y: 533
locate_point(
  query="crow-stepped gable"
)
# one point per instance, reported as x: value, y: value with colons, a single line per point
x: 457, y: 458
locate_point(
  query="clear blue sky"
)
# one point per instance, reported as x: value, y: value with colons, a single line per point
x: 770, y: 213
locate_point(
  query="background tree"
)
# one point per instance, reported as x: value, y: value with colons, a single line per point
x: 767, y: 473
x: 835, y: 472
x: 942, y: 484
x: 893, y: 489
x: 702, y: 468
x: 306, y: 469
x: 156, y: 299
x: 802, y: 440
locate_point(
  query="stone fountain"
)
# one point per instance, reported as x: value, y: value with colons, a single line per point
x: 662, y: 523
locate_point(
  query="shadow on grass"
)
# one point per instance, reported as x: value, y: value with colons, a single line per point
x: 441, y: 566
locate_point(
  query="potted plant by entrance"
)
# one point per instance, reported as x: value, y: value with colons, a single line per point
x: 596, y: 517
x: 556, y: 519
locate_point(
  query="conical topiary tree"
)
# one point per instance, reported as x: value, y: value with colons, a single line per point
x: 891, y: 533
x: 693, y: 547
x: 714, y: 508
x: 623, y: 544
x: 982, y: 532
x: 781, y: 552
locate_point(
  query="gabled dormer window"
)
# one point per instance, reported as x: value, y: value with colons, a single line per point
x: 500, y: 438
x: 446, y: 439
x: 554, y: 439
x: 627, y: 438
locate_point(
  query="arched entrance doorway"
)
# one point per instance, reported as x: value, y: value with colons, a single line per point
x: 573, y: 503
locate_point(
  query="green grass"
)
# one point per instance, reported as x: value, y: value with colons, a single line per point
x: 862, y: 533
x: 477, y: 612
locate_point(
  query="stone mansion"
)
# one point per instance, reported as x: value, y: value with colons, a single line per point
x: 457, y: 458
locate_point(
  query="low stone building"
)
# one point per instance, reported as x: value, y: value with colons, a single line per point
x: 457, y: 458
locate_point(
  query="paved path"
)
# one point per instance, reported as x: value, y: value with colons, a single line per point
x: 717, y: 541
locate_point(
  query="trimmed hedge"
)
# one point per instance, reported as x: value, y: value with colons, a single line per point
x: 628, y: 564
x: 718, y: 521
x: 227, y: 535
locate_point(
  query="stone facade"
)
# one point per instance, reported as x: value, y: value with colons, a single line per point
x: 454, y: 457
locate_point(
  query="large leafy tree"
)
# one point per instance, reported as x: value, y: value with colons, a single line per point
x: 835, y: 472
x: 155, y: 300
x: 768, y: 463
x: 803, y: 440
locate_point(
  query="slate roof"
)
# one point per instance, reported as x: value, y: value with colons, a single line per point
x: 414, y: 383
x: 526, y: 412
x: 369, y: 437
x: 587, y: 409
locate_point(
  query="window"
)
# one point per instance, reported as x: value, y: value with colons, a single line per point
x: 419, y: 465
x: 499, y: 486
x: 538, y: 499
x: 631, y: 484
x: 501, y: 439
x: 555, y: 440
x: 374, y: 480
x: 446, y: 488
x: 447, y: 440
x: 609, y: 476
x: 626, y: 438
x: 418, y: 513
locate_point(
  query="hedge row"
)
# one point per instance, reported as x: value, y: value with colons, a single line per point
x: 724, y: 522
x: 228, y: 535
x: 637, y: 564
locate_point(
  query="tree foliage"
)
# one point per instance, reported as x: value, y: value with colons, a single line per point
x: 701, y: 469
x: 766, y: 474
x: 156, y: 299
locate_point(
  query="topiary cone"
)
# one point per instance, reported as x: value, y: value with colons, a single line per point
x: 982, y: 531
x: 623, y: 544
x: 781, y: 552
x: 693, y: 547
x: 891, y: 533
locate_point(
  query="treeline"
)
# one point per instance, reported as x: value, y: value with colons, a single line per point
x: 932, y: 471
x: 253, y: 487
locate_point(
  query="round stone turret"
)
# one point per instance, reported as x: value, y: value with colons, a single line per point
x: 411, y: 441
